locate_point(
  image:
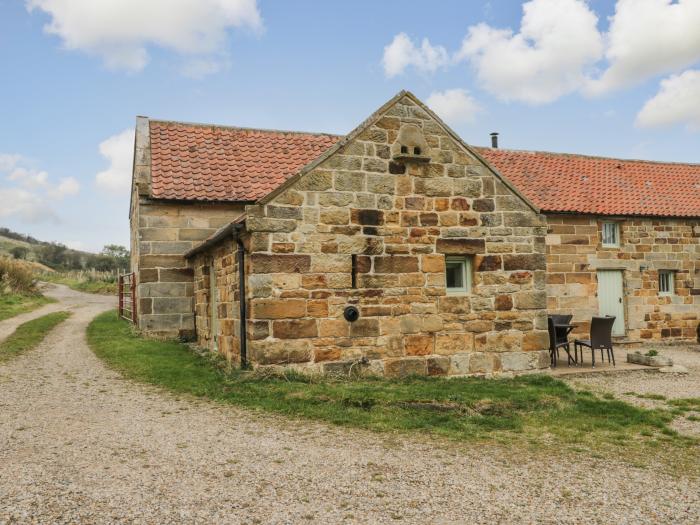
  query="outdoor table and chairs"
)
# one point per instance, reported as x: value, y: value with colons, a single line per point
x: 560, y: 326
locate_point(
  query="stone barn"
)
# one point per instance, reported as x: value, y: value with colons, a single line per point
x: 400, y: 249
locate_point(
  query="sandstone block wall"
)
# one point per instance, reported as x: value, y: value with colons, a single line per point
x: 575, y: 253
x: 399, y: 219
x: 223, y: 262
x: 163, y: 232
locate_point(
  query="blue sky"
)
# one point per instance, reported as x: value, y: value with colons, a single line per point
x: 75, y: 76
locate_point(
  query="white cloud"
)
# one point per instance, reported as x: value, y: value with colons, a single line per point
x: 30, y: 196
x: 67, y: 186
x: 558, y: 41
x: 120, y: 31
x: 648, y: 38
x: 402, y: 53
x: 25, y: 205
x: 119, y: 151
x: 8, y: 161
x: 454, y: 105
x: 676, y: 102
x: 30, y: 178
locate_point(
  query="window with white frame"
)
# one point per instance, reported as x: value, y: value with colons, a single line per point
x: 458, y: 275
x: 667, y: 282
x: 611, y: 235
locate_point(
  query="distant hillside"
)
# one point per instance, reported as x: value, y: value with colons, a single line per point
x: 56, y: 256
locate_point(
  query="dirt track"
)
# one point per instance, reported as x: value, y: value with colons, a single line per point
x: 78, y: 444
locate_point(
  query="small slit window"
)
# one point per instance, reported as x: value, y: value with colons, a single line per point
x: 404, y: 149
x: 611, y: 235
x: 416, y: 150
x: 667, y: 282
x: 458, y: 275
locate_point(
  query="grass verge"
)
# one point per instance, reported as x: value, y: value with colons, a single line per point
x: 15, y: 304
x: 535, y: 409
x: 30, y: 334
x: 84, y: 284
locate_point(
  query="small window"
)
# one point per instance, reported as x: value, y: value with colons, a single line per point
x: 666, y: 282
x: 404, y: 149
x: 458, y: 275
x: 416, y: 150
x: 611, y: 234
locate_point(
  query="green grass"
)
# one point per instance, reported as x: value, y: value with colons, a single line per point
x: 96, y: 286
x: 15, y: 304
x: 30, y: 334
x: 531, y: 409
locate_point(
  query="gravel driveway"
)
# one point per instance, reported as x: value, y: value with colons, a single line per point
x: 80, y: 445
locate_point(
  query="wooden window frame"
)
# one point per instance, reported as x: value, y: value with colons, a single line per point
x: 466, y: 263
x: 616, y: 229
x: 670, y: 277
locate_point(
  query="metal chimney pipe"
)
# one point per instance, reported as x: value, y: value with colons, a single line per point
x: 494, y: 139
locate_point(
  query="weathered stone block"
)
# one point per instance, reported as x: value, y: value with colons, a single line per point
x: 450, y: 344
x: 405, y: 367
x: 364, y: 328
x: 278, y: 308
x: 280, y: 352
x: 438, y: 366
x: 460, y: 246
x: 395, y: 264
x: 279, y: 263
x: 530, y: 261
x: 294, y: 329
x: 320, y: 180
x: 419, y: 345
x: 172, y: 305
x: 530, y: 300
x: 264, y: 224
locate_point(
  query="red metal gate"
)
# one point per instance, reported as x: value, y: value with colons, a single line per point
x: 127, y: 297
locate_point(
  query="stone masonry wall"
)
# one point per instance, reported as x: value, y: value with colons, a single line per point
x: 400, y: 219
x: 224, y: 261
x: 575, y: 252
x: 165, y: 231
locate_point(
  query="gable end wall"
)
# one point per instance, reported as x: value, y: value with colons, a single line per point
x: 400, y: 221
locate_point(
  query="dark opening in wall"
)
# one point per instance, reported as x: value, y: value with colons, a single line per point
x: 354, y: 271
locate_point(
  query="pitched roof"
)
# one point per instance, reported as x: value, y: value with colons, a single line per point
x: 216, y: 163
x: 557, y: 182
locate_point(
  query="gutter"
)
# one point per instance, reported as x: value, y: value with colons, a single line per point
x: 232, y: 229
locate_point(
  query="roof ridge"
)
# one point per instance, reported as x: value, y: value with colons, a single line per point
x: 585, y: 156
x: 243, y: 128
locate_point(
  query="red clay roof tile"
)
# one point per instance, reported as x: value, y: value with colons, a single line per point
x: 215, y: 163
x: 557, y: 182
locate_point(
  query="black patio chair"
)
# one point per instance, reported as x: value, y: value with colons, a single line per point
x: 601, y: 339
x: 559, y: 328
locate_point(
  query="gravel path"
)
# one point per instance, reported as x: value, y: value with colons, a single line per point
x: 80, y: 445
x: 671, y: 386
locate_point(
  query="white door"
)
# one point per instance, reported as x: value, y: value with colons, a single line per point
x: 610, y: 298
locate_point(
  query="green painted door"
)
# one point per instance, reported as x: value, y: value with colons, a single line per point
x: 611, y: 299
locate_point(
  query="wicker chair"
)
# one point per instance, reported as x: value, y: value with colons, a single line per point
x: 559, y: 337
x: 601, y: 339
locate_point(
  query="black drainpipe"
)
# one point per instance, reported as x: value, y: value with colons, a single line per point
x: 242, y: 300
